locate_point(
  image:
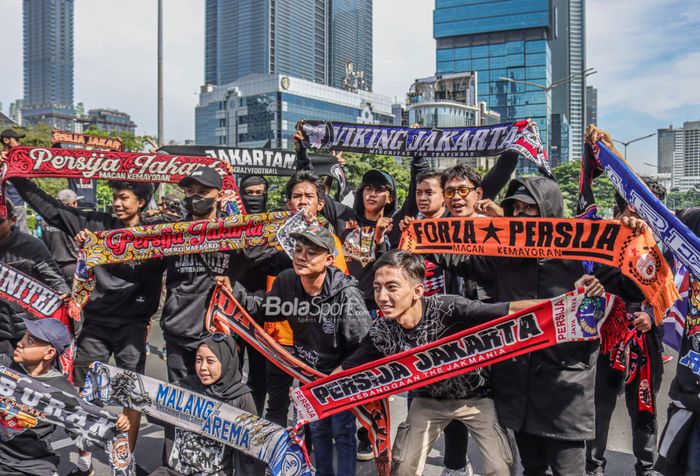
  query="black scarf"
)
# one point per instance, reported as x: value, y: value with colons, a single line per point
x: 230, y: 385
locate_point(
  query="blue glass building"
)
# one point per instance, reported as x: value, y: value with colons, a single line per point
x: 262, y: 110
x: 48, y: 62
x: 500, y: 39
x: 307, y: 39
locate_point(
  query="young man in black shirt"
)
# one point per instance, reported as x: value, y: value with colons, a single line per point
x: 29, y: 255
x: 409, y: 320
x: 325, y: 310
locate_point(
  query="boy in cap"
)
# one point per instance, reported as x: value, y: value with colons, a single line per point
x: 30, y: 452
x: 326, y: 311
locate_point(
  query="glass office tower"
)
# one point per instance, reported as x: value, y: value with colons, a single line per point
x: 48, y: 62
x: 500, y: 39
x: 308, y: 39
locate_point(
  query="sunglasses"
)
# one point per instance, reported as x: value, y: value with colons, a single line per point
x: 463, y: 191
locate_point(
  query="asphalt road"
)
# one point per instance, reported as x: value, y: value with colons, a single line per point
x: 150, y: 445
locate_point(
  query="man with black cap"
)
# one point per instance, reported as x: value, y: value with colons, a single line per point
x: 30, y: 451
x: 61, y: 245
x: 28, y: 255
x: 326, y: 312
x: 10, y: 139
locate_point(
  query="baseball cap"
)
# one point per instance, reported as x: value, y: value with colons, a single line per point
x: 67, y: 196
x: 317, y: 235
x: 521, y: 194
x: 49, y: 330
x: 9, y: 133
x: 375, y: 176
x: 204, y: 176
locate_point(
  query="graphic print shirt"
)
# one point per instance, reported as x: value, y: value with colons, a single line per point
x: 443, y: 315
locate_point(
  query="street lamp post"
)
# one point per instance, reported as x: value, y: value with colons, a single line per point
x: 625, y: 144
x: 160, y: 73
x: 546, y: 89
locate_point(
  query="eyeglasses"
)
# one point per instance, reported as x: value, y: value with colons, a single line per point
x: 463, y: 191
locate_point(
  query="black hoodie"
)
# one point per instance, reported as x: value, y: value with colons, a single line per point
x: 327, y: 328
x: 550, y: 392
x: 125, y: 292
x: 28, y: 255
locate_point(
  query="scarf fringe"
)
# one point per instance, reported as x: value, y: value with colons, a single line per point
x: 615, y: 328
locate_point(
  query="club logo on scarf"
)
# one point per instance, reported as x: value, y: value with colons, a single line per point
x: 646, y: 267
x: 119, y: 452
x: 589, y: 314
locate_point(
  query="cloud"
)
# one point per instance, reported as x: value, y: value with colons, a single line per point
x: 649, y: 68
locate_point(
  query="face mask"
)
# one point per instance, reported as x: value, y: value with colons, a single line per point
x: 255, y: 203
x: 198, y: 205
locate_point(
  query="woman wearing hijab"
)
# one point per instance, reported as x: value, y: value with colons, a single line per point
x: 217, y: 376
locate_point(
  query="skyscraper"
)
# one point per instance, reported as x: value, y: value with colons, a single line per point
x: 48, y: 62
x: 307, y: 39
x: 666, y: 141
x: 568, y: 59
x: 500, y: 39
x: 591, y: 106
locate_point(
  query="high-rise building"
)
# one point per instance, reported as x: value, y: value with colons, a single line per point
x: 108, y: 120
x: 569, y: 59
x: 48, y: 62
x: 681, y: 146
x: 323, y: 41
x: 591, y: 107
x: 15, y: 111
x: 560, y: 143
x: 666, y: 141
x: 500, y: 39
x: 262, y: 110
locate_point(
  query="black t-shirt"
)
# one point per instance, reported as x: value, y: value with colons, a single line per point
x: 443, y: 315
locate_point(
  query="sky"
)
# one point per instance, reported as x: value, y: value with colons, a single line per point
x: 647, y: 53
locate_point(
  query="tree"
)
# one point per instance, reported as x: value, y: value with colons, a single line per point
x: 568, y: 176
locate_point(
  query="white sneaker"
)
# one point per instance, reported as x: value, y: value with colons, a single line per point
x: 466, y: 471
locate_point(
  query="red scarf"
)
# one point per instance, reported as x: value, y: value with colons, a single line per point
x: 571, y: 317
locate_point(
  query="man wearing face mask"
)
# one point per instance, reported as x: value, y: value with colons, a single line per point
x: 254, y: 193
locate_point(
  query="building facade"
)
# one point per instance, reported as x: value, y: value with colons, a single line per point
x: 667, y: 149
x: 262, y: 110
x: 315, y: 40
x: 591, y: 106
x: 108, y: 120
x: 500, y: 39
x: 48, y: 62
x: 560, y: 144
x: 568, y: 59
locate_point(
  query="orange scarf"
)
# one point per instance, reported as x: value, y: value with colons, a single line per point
x: 603, y: 241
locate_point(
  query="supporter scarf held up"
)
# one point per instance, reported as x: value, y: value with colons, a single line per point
x: 86, y: 140
x: 24, y: 401
x: 39, y: 301
x: 226, y: 315
x: 603, y: 241
x: 571, y: 317
x: 199, y: 414
x: 35, y: 162
x: 480, y: 141
x: 677, y: 237
x: 264, y: 161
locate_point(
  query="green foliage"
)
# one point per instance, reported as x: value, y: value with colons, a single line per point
x: 568, y: 177
x: 679, y: 200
